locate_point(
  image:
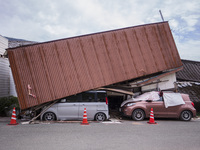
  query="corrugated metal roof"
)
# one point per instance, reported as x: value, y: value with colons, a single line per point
x: 190, y: 71
x: 65, y: 67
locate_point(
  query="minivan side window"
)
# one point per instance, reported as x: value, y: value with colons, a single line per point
x: 88, y: 97
x: 74, y: 98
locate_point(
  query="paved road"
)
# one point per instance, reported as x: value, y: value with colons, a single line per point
x: 166, y: 135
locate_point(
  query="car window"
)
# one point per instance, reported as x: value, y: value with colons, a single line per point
x: 88, y: 97
x: 74, y: 98
x: 101, y: 97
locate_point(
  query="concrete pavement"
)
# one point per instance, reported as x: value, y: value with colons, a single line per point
x: 128, y: 134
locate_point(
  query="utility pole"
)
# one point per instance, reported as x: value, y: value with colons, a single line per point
x: 161, y: 15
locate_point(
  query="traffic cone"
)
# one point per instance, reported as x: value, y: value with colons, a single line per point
x: 151, y: 119
x: 13, y: 118
x: 85, y: 122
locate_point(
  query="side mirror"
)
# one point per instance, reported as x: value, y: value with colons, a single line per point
x: 63, y: 100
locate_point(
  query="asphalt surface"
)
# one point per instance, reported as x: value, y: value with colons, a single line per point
x: 111, y: 135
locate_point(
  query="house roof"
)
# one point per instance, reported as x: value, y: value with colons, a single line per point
x: 193, y: 90
x: 65, y: 67
x: 190, y: 88
x: 190, y: 71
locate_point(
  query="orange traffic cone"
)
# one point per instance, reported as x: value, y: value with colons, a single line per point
x: 85, y: 122
x: 151, y: 119
x: 13, y: 118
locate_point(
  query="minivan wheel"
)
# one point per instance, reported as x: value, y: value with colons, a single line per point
x: 49, y: 116
x: 100, y: 117
x: 186, y: 115
x: 138, y: 115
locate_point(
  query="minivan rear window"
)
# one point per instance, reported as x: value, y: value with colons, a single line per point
x: 101, y: 97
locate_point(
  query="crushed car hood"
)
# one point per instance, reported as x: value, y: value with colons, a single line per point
x: 154, y: 96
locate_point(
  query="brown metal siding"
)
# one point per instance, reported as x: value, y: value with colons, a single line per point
x: 65, y: 67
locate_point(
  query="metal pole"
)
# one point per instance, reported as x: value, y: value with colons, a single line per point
x: 161, y: 15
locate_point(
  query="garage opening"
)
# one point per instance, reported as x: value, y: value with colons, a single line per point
x: 114, y: 103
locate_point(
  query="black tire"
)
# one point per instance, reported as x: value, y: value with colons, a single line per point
x: 186, y: 115
x: 49, y: 116
x: 138, y: 115
x: 100, y: 117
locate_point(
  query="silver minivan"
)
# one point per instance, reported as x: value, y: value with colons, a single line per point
x: 72, y: 107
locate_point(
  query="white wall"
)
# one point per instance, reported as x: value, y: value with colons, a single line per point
x: 7, y: 86
x: 4, y: 78
x: 3, y: 44
x: 12, y: 85
x: 167, y: 84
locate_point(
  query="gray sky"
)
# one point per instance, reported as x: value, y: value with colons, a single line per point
x: 45, y: 20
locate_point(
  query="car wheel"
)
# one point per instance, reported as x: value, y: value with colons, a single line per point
x: 100, y: 117
x: 138, y: 115
x: 186, y: 115
x: 49, y: 116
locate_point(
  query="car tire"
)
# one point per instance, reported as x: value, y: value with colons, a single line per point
x: 186, y: 115
x: 100, y: 117
x: 138, y: 115
x: 49, y: 116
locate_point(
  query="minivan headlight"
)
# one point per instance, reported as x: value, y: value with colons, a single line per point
x: 130, y: 104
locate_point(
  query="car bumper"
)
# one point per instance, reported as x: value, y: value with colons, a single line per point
x: 124, y: 112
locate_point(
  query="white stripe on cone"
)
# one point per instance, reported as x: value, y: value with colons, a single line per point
x: 13, y: 118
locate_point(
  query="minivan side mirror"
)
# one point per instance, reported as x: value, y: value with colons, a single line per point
x: 63, y: 100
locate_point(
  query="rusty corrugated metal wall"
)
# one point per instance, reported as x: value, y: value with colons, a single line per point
x: 65, y: 67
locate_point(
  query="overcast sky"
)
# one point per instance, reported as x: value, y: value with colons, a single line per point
x: 45, y: 20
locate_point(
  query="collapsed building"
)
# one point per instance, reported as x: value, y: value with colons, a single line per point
x: 135, y: 59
